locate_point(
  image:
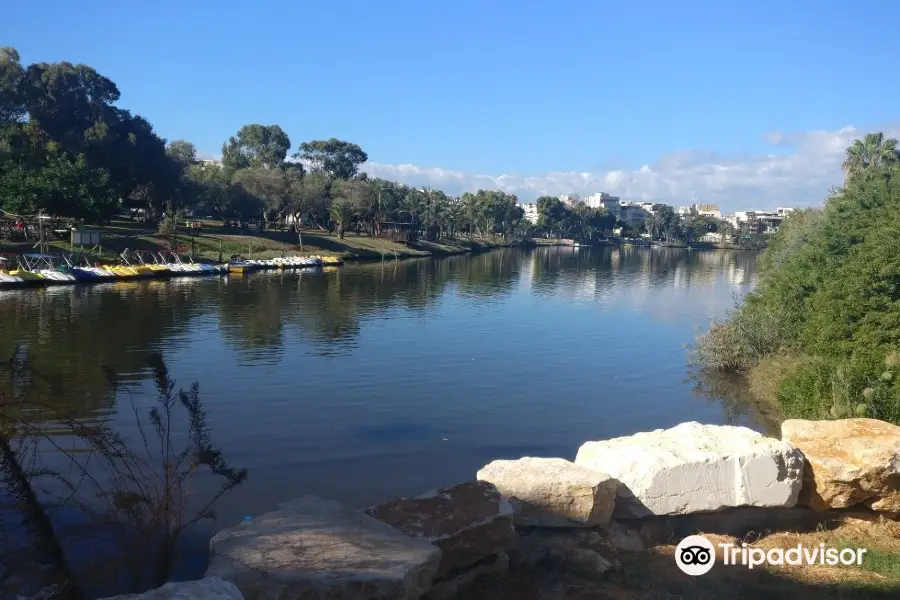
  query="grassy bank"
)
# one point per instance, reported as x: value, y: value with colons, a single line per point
x: 215, y: 240
x: 653, y: 575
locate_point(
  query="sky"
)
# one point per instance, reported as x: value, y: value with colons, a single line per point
x: 744, y: 103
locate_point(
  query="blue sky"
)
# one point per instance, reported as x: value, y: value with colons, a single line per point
x: 660, y: 100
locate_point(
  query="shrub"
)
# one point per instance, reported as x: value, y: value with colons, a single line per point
x: 863, y: 385
x: 129, y: 499
x: 829, y: 291
x: 751, y: 332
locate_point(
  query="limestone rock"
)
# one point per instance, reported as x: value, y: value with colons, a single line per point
x: 849, y: 462
x: 553, y: 492
x: 541, y: 547
x: 468, y: 522
x: 314, y: 549
x: 621, y: 538
x: 696, y: 468
x: 588, y: 563
x: 450, y: 586
x: 209, y: 588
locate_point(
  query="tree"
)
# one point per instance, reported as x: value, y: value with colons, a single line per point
x: 256, y: 146
x: 310, y: 198
x: 869, y: 154
x: 340, y: 159
x: 696, y: 226
x: 182, y: 152
x: 360, y: 195
x: 62, y: 186
x: 342, y: 212
x: 52, y: 110
x: 411, y: 206
x: 666, y: 222
x: 268, y: 186
x: 552, y: 215
x: 12, y: 102
x: 211, y: 181
x: 67, y: 100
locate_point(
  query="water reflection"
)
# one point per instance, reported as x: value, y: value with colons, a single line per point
x: 391, y: 377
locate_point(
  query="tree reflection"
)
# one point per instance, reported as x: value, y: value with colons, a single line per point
x: 75, y: 329
x: 733, y: 394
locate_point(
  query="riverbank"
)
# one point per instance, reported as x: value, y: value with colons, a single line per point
x: 608, y: 525
x: 215, y: 243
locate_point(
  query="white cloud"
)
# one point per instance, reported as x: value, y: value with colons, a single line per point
x: 801, y: 172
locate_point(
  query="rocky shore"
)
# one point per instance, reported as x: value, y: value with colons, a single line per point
x: 519, y: 516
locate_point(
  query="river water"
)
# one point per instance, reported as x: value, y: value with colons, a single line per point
x: 387, y: 379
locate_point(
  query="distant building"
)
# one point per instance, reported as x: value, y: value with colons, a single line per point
x: 709, y: 210
x: 704, y: 210
x: 602, y: 200
x: 758, y: 221
x: 568, y: 199
x: 633, y: 213
x: 531, y: 212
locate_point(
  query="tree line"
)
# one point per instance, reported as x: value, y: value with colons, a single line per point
x: 581, y: 221
x: 66, y: 149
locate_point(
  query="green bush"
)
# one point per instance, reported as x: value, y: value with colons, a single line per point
x: 828, y: 388
x: 829, y: 291
x: 752, y: 332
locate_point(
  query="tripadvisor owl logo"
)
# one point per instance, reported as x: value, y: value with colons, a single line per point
x: 695, y: 555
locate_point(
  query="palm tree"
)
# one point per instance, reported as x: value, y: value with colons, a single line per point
x: 871, y: 153
x: 412, y: 206
x: 342, y: 213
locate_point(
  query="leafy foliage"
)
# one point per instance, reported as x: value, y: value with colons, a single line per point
x: 66, y: 149
x: 256, y: 146
x: 580, y: 220
x: 340, y: 159
x: 829, y: 290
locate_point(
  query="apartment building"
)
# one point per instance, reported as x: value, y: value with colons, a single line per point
x: 602, y: 200
x: 569, y: 199
x: 531, y: 212
x: 705, y: 210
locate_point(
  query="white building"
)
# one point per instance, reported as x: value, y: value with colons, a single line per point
x: 758, y: 221
x: 634, y: 213
x: 704, y: 210
x: 601, y: 200
x: 568, y: 199
x: 531, y: 212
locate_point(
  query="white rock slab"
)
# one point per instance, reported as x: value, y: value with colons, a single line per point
x: 313, y: 548
x: 209, y: 588
x: 553, y: 492
x: 696, y: 468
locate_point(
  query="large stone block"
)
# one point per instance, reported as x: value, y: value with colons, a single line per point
x: 315, y: 549
x: 849, y: 462
x: 468, y: 522
x: 553, y: 492
x: 696, y: 468
x: 210, y: 588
